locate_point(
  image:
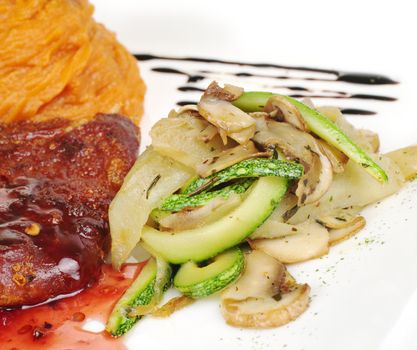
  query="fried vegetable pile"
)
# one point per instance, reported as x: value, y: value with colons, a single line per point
x: 239, y: 185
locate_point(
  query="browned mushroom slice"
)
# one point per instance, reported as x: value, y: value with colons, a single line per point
x: 262, y: 278
x: 337, y: 159
x: 353, y: 187
x: 228, y: 157
x: 228, y: 93
x: 406, y: 159
x: 339, y: 218
x: 316, y: 181
x: 281, y: 109
x: 311, y: 241
x: 265, y: 296
x: 234, y: 123
x: 299, y: 146
x: 340, y: 234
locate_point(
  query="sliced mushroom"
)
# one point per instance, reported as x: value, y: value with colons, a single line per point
x: 311, y: 241
x: 183, y: 110
x: 262, y: 278
x: 228, y: 93
x: 235, y: 123
x: 354, y: 188
x: 229, y: 157
x: 316, y: 181
x: 339, y: 218
x: 340, y: 234
x: 256, y: 301
x: 274, y: 229
x: 299, y: 146
x: 337, y: 159
x: 281, y: 109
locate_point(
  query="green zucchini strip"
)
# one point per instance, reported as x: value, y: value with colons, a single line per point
x: 205, y: 242
x: 258, y: 167
x: 253, y: 101
x: 198, y: 282
x: 146, y: 290
x: 177, y: 202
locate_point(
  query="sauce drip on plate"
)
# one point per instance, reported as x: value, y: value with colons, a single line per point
x: 59, y: 325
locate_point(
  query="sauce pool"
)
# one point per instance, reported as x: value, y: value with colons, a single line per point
x: 58, y: 325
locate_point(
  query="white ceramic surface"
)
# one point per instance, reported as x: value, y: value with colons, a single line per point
x: 364, y: 293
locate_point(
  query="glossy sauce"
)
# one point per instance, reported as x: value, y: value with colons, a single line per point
x: 58, y: 325
x: 333, y: 76
x: 55, y: 189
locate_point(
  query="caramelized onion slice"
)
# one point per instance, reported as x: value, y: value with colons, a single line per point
x: 361, y: 137
x: 311, y: 241
x: 173, y: 305
x: 340, y: 234
x: 406, y: 159
x: 180, y: 138
x: 353, y: 187
x: 152, y: 178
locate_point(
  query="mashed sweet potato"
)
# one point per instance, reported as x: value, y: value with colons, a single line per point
x: 56, y: 61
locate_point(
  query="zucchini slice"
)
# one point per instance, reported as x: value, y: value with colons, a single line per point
x: 320, y: 125
x: 177, y: 202
x: 198, y: 282
x: 202, y: 243
x: 257, y: 167
x: 147, y: 289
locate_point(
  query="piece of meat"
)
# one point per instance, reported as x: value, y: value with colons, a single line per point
x: 56, y: 184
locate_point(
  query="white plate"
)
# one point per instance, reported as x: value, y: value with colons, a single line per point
x: 364, y: 292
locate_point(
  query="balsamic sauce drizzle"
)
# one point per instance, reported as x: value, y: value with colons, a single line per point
x: 302, y: 92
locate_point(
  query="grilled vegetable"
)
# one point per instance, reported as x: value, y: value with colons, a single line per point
x: 319, y: 125
x: 146, y: 291
x: 406, y: 159
x: 265, y: 296
x: 177, y: 202
x: 205, y: 242
x: 246, y: 169
x: 310, y: 241
x: 338, y: 235
x: 151, y: 179
x: 190, y: 218
x: 197, y: 282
